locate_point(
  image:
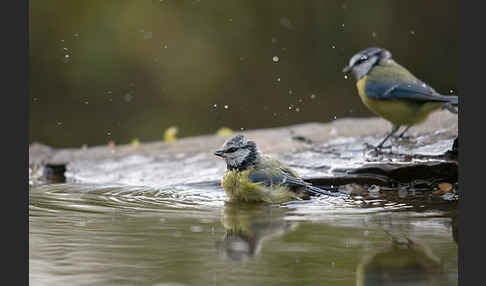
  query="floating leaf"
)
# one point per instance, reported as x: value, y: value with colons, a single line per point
x: 445, y: 188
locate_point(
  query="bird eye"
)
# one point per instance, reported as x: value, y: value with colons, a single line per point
x: 362, y: 59
x: 231, y: 150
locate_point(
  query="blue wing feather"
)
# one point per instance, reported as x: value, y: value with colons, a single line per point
x: 283, y: 176
x: 416, y: 91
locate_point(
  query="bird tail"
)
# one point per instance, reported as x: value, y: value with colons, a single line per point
x: 454, y: 100
x: 318, y: 191
x: 452, y: 103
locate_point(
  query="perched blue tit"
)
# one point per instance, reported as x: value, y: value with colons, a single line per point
x: 254, y: 177
x: 392, y: 92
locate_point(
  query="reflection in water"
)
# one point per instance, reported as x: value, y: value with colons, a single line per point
x: 247, y: 225
x: 403, y: 263
x: 114, y: 235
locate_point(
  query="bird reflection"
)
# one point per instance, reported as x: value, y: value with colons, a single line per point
x: 403, y: 263
x: 247, y: 226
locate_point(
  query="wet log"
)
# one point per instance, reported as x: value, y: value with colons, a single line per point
x: 331, y: 153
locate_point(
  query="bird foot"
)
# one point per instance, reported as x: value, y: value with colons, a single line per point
x: 403, y: 137
x: 376, y: 148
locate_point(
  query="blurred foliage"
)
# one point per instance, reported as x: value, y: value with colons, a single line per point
x: 118, y: 70
x: 224, y: 131
x: 170, y: 134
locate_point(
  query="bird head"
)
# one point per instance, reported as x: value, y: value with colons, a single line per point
x: 238, y: 152
x: 363, y: 61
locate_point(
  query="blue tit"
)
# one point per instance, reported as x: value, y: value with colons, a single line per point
x: 392, y: 92
x: 254, y: 177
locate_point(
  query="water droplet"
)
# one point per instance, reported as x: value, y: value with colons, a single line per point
x: 108, y: 133
x: 412, y: 32
x: 312, y: 96
x: 345, y: 76
x: 128, y: 97
x: 290, y: 107
x: 335, y: 117
x: 290, y: 91
x: 278, y: 79
x: 333, y: 46
x: 226, y: 107
x: 66, y: 56
x: 59, y: 123
x: 230, y: 19
x: 86, y: 102
x: 373, y: 34
x: 286, y: 23
x: 274, y: 114
x: 242, y: 128
x: 297, y: 109
x: 451, y: 91
x: 215, y: 105
x: 275, y: 59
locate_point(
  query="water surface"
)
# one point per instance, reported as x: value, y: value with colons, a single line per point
x: 188, y: 235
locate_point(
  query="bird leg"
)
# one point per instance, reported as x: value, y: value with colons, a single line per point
x: 380, y: 146
x: 404, y: 131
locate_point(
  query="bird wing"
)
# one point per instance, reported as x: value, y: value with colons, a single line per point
x: 270, y: 174
x: 415, y: 90
x: 275, y: 176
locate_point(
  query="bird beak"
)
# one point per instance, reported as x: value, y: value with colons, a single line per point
x: 219, y: 153
x: 347, y: 69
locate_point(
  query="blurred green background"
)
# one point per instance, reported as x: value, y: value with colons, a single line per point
x: 119, y: 69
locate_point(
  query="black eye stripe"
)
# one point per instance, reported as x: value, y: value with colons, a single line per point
x: 231, y: 150
x: 362, y: 59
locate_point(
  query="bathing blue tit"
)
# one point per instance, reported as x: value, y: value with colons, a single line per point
x: 254, y: 177
x: 392, y: 92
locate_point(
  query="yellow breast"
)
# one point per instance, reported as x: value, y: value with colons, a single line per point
x: 398, y: 112
x: 238, y: 188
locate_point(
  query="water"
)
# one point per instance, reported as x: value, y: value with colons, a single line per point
x: 115, y: 235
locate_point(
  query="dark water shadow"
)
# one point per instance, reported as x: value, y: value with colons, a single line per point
x: 403, y: 262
